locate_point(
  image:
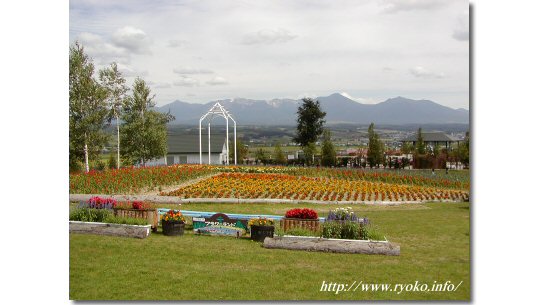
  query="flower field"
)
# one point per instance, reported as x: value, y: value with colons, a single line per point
x: 278, y: 182
x: 285, y: 186
x: 455, y: 179
x: 134, y: 180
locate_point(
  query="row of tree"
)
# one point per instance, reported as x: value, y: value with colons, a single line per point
x: 95, y: 102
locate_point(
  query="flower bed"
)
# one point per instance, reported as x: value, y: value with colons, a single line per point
x: 138, y: 209
x: 133, y: 180
x: 282, y: 186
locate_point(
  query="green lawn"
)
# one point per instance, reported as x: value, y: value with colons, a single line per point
x: 434, y: 240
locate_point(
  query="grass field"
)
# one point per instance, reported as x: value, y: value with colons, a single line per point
x: 434, y: 240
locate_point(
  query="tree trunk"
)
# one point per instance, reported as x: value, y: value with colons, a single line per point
x: 86, y: 153
x: 118, y: 128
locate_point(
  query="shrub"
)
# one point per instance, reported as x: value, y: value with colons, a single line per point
x: 343, y: 230
x: 103, y: 215
x: 373, y: 234
x: 331, y: 229
x: 112, y: 162
x: 90, y: 215
x: 100, y: 165
x: 302, y: 214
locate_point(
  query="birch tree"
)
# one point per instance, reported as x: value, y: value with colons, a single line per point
x: 87, y: 108
x: 144, y: 129
x: 114, y: 83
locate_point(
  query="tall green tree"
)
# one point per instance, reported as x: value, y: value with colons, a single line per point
x: 463, y: 149
x: 114, y: 84
x: 310, y: 120
x: 328, y: 152
x: 144, y: 129
x: 376, y: 148
x: 421, y: 146
x: 280, y: 158
x: 261, y: 155
x: 242, y: 152
x: 87, y: 109
x: 407, y: 148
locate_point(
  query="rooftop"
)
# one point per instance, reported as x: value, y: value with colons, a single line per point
x: 183, y: 144
x: 431, y: 137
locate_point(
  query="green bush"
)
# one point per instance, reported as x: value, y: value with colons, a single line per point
x: 344, y: 230
x: 331, y: 229
x: 90, y: 215
x: 100, y: 165
x: 112, y: 162
x: 103, y: 215
x: 75, y: 166
x: 373, y: 234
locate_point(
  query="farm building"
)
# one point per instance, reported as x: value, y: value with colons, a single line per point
x: 185, y: 149
x: 431, y: 139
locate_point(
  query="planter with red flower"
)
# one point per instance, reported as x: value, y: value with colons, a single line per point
x: 260, y: 228
x: 300, y: 218
x: 138, y: 209
x: 173, y: 223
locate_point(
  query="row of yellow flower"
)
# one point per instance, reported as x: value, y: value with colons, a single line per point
x: 282, y: 186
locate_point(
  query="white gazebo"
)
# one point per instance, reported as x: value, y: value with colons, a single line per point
x: 216, y: 111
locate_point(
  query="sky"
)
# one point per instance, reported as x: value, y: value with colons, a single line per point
x: 199, y: 51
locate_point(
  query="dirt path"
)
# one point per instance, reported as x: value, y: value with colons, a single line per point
x: 170, y: 188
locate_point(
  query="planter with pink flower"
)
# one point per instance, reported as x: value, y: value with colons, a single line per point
x: 138, y: 209
x: 300, y: 219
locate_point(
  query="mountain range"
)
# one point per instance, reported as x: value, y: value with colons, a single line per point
x: 339, y: 109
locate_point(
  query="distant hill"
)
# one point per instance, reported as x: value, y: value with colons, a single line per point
x: 340, y: 109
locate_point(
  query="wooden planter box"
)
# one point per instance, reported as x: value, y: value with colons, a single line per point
x: 305, y: 243
x: 293, y: 223
x: 112, y: 229
x: 173, y: 228
x: 259, y: 233
x: 151, y: 215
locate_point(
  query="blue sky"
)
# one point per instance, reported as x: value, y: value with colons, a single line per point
x: 202, y: 50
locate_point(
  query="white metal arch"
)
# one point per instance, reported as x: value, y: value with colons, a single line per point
x: 218, y: 110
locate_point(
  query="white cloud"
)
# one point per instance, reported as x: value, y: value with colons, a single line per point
x: 129, y: 71
x: 186, y: 81
x: 462, y: 31
x: 395, y: 6
x: 132, y: 39
x: 217, y: 80
x: 268, y: 36
x: 176, y: 43
x: 104, y: 52
x: 421, y: 72
x: 159, y: 85
x: 191, y: 70
x: 345, y: 42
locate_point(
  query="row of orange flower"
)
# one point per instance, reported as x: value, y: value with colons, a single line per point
x: 134, y: 180
x: 283, y: 186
